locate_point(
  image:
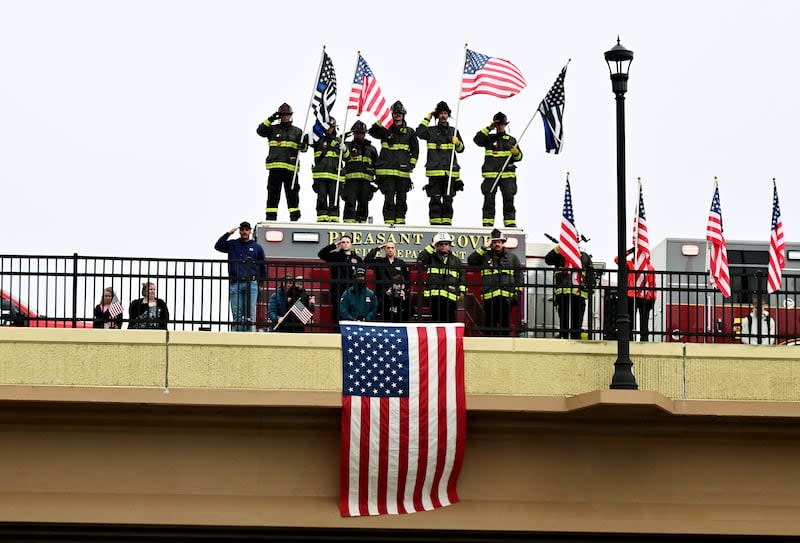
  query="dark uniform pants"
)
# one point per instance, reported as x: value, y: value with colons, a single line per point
x: 395, y: 206
x: 440, y: 207
x: 442, y: 309
x: 644, y: 306
x: 570, y: 315
x: 327, y: 200
x: 496, y: 316
x: 356, y: 194
x: 508, y: 188
x: 282, y: 178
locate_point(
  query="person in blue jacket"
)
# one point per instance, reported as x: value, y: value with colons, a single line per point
x: 358, y: 303
x: 246, y: 267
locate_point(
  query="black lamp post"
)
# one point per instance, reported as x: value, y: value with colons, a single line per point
x: 619, y: 62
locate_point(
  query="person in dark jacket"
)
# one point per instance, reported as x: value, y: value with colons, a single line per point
x: 399, y: 153
x: 501, y: 283
x: 571, y: 292
x: 359, y: 178
x: 500, y: 149
x: 326, y: 175
x: 108, y: 313
x: 148, y: 312
x: 285, y: 142
x: 358, y: 302
x: 343, y: 263
x: 386, y: 267
x: 282, y: 300
x: 396, y: 301
x: 444, y: 284
x: 442, y: 140
x: 246, y: 267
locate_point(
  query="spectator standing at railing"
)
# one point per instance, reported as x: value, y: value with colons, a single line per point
x: 444, y: 284
x: 750, y: 332
x: 343, y: 263
x: 386, y: 267
x: 108, y: 313
x: 501, y: 283
x: 571, y: 292
x: 358, y: 303
x: 641, y: 298
x: 246, y: 267
x: 148, y: 312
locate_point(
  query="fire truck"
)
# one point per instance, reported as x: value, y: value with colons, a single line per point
x: 692, y: 310
x: 291, y: 249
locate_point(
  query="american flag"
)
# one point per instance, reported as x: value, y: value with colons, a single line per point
x: 115, y: 309
x: 641, y: 241
x: 718, y: 258
x: 490, y: 75
x: 403, y: 417
x: 777, y: 245
x: 300, y: 310
x: 552, y: 112
x: 366, y: 94
x: 324, y: 98
x: 568, y: 238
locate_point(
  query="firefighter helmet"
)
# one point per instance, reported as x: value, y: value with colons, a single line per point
x: 285, y: 108
x: 500, y: 118
x: 497, y: 235
x: 359, y: 126
x: 332, y: 122
x: 442, y: 106
x: 442, y: 237
x: 398, y: 107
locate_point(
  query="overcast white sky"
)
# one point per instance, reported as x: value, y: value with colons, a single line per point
x: 128, y: 128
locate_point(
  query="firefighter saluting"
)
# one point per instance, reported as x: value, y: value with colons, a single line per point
x: 325, y: 174
x: 571, y: 291
x: 359, y: 179
x: 399, y: 153
x: 501, y: 150
x: 442, y: 140
x: 285, y: 142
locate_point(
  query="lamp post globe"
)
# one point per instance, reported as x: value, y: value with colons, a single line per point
x: 619, y: 61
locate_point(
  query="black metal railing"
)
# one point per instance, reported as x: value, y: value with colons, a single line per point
x: 62, y: 291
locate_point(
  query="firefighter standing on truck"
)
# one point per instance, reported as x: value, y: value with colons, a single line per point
x: 444, y: 283
x: 359, y: 178
x: 285, y: 142
x: 326, y: 174
x: 399, y: 153
x: 571, y: 292
x: 500, y: 147
x: 442, y: 139
x: 501, y: 283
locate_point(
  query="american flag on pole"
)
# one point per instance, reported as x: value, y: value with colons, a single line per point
x: 641, y: 241
x: 403, y: 417
x: 551, y: 109
x: 300, y: 310
x: 490, y: 75
x: 115, y: 309
x: 366, y: 94
x: 777, y: 245
x: 718, y: 255
x: 324, y: 98
x: 568, y: 237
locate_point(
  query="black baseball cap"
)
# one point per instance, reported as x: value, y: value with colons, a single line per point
x: 245, y: 224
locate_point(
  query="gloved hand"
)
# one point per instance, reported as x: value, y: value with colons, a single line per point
x: 491, y: 126
x: 515, y: 151
x: 429, y: 116
x: 274, y: 117
x: 456, y: 141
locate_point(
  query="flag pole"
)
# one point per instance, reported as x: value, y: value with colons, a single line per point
x: 282, y: 320
x: 508, y: 159
x: 308, y: 112
x: 455, y: 128
x: 341, y: 147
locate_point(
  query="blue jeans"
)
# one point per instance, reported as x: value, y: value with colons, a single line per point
x: 243, y: 297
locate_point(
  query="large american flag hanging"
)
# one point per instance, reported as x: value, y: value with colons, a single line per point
x: 324, y: 98
x: 777, y: 245
x: 490, y: 75
x: 568, y: 237
x: 718, y: 251
x: 366, y: 94
x: 403, y: 417
x: 641, y: 241
x: 551, y: 109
